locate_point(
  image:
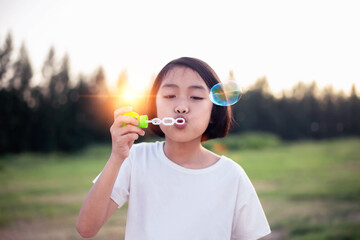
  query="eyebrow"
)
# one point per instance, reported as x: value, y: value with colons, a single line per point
x: 171, y: 85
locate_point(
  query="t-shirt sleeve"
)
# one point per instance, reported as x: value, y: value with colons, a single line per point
x: 249, y: 221
x: 121, y: 189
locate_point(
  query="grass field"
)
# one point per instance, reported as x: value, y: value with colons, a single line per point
x: 309, y: 189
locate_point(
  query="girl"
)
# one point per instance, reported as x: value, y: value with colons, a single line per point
x: 176, y: 188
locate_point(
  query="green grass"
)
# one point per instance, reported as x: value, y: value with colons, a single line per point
x: 40, y: 185
x: 309, y: 189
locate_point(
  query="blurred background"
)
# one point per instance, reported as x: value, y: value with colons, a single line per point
x: 65, y: 66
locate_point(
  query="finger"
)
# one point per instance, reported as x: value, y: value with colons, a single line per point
x: 121, y: 111
x: 131, y: 137
x: 131, y: 129
x: 121, y: 119
x: 120, y: 131
x: 125, y: 139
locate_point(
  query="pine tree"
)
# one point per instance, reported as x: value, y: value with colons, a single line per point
x: 354, y: 112
x: 22, y: 75
x: 48, y: 70
x: 5, y: 56
x: 59, y: 84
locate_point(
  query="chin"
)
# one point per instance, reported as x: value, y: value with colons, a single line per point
x: 180, y: 138
x: 183, y: 135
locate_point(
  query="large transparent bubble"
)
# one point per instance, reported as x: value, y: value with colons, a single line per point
x: 226, y: 93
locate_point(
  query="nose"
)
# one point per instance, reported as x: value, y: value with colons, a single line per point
x: 181, y: 109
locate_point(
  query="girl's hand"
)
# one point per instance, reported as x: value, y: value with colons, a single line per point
x: 123, y: 137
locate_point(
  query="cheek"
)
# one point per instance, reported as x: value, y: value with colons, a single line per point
x: 157, y: 104
x: 205, y: 114
x: 160, y: 106
x: 209, y: 108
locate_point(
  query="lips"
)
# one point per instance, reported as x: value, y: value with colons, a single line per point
x: 181, y: 116
x: 180, y: 126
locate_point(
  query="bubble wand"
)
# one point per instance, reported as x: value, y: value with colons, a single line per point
x: 144, y: 120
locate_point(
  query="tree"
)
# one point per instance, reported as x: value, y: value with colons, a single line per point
x: 99, y: 82
x: 17, y: 129
x: 328, y: 113
x: 59, y: 84
x: 122, y: 81
x: 22, y: 75
x: 100, y: 107
x: 354, y: 112
x: 5, y: 55
x: 261, y: 85
x: 48, y: 70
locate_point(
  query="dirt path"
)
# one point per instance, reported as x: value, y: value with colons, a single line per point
x: 60, y: 229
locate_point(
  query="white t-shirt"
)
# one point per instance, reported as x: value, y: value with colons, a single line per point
x: 170, y: 202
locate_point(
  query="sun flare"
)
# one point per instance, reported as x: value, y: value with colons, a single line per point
x: 129, y: 97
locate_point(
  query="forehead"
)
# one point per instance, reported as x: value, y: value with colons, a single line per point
x: 183, y: 77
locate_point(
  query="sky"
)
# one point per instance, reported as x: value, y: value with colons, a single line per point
x: 286, y: 41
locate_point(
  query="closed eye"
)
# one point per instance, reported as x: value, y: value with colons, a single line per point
x: 168, y: 96
x: 197, y: 98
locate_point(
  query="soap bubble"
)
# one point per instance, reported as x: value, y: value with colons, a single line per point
x: 226, y: 93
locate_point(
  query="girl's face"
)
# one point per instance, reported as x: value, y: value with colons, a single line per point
x: 183, y: 93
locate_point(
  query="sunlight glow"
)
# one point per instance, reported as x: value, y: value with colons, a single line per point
x: 254, y: 38
x: 129, y: 97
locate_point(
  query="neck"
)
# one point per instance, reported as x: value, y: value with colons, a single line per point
x: 188, y: 154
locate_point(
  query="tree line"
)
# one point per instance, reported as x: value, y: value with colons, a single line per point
x: 65, y: 114
x: 303, y: 112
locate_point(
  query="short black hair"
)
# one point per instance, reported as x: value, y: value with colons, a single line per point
x: 220, y: 115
